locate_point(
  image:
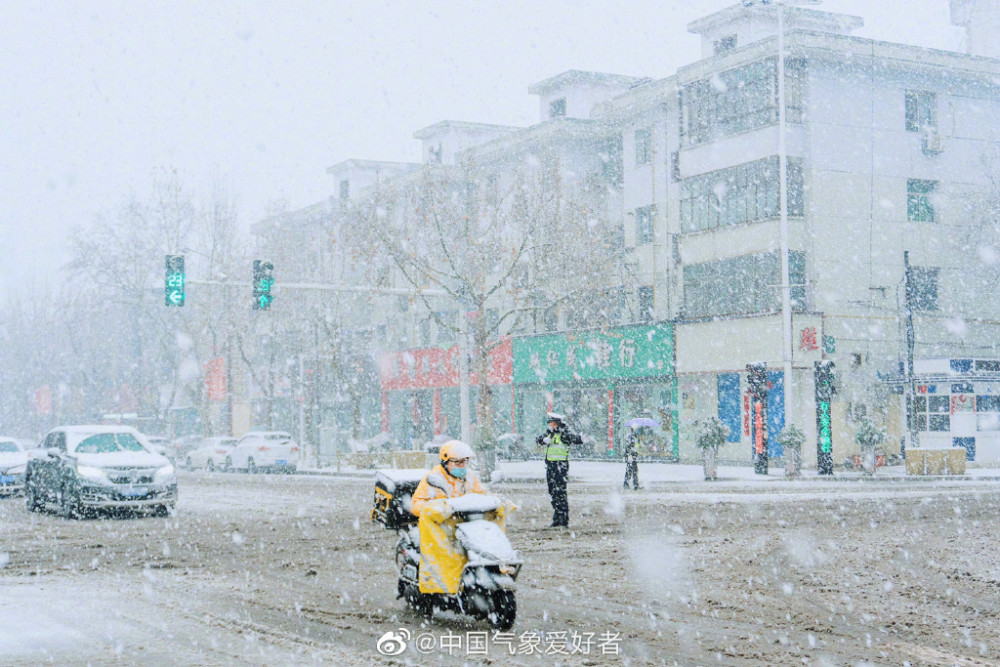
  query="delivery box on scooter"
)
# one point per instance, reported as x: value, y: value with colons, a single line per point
x: 393, y: 497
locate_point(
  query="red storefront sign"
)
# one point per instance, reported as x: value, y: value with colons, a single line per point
x: 43, y: 400
x: 434, y: 368
x: 215, y: 379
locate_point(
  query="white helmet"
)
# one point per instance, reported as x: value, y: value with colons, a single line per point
x: 455, y: 449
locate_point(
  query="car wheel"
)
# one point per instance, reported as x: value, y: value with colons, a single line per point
x: 69, y: 503
x: 210, y: 465
x: 228, y: 465
x: 251, y: 466
x: 162, y: 510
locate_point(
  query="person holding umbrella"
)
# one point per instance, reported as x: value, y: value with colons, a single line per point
x: 635, y: 426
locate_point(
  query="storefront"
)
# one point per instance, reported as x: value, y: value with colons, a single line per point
x: 600, y: 379
x: 957, y: 404
x: 420, y: 393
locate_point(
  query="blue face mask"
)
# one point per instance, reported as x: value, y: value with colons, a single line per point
x: 458, y: 472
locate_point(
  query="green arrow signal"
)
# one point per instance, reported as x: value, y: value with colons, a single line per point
x: 176, y: 297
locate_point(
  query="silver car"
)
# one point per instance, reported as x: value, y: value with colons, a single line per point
x: 96, y: 467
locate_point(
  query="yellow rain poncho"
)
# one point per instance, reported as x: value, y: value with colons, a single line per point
x: 441, y: 558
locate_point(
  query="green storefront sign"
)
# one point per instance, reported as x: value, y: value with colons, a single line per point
x: 621, y: 353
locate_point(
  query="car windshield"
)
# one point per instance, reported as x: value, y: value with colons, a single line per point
x: 106, y: 443
x: 7, y: 447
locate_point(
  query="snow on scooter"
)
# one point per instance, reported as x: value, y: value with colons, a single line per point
x: 457, y: 558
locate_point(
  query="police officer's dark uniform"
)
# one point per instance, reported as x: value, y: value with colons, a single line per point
x: 557, y: 440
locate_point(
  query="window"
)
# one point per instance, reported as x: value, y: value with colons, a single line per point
x: 106, y: 443
x: 740, y: 99
x: 345, y: 189
x: 727, y: 43
x: 675, y: 166
x: 644, y: 146
x: 919, y: 207
x: 742, y: 285
x: 425, y: 332
x: 445, y: 334
x: 738, y: 195
x: 933, y: 412
x: 920, y: 110
x: 645, y: 303
x: 644, y: 225
x: 922, y: 288
x: 557, y: 108
x: 988, y: 413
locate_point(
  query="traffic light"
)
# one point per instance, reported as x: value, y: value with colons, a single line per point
x: 757, y: 383
x: 824, y: 378
x: 262, y: 284
x: 173, y: 280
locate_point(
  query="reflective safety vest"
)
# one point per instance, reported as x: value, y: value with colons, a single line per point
x: 556, y: 450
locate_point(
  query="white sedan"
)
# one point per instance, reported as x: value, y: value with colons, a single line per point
x: 13, y: 461
x: 264, y: 450
x: 212, y: 454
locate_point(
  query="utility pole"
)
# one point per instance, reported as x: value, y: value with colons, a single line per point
x: 911, y: 399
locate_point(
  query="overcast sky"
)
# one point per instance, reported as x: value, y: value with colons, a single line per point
x: 263, y: 96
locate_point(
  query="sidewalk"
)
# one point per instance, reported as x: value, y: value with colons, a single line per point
x: 612, y: 473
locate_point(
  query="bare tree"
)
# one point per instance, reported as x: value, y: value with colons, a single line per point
x: 504, y: 246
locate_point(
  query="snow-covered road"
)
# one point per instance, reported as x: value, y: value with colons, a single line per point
x: 288, y: 570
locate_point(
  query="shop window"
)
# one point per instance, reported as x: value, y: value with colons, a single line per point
x: 987, y: 413
x: 933, y: 412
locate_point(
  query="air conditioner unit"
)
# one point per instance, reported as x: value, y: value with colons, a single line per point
x: 931, y: 141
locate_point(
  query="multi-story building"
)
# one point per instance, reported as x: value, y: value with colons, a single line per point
x: 885, y: 148
x: 884, y: 232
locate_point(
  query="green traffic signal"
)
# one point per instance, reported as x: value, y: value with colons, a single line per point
x: 263, y: 281
x: 173, y: 281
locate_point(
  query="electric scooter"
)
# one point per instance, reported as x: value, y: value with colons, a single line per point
x: 486, y: 589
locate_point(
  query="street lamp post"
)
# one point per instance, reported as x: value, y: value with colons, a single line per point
x: 786, y: 287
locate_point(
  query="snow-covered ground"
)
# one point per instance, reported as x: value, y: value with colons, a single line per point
x: 279, y: 569
x: 613, y: 473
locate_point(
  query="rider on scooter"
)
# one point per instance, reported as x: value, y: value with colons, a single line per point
x: 451, y: 479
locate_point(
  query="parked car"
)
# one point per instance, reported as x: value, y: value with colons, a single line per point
x: 160, y: 445
x: 212, y: 454
x: 264, y: 450
x: 94, y: 467
x: 510, y: 447
x: 13, y: 461
x: 181, y: 446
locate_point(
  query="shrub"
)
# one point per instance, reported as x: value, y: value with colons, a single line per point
x: 711, y: 433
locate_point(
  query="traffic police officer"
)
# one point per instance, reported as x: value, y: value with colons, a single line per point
x: 557, y: 440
